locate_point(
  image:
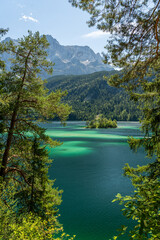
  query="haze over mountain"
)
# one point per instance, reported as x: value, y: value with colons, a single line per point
x: 70, y: 60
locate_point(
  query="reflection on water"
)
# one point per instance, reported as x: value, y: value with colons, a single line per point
x: 88, y: 167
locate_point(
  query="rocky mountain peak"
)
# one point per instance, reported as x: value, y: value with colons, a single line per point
x: 70, y: 60
x: 52, y: 40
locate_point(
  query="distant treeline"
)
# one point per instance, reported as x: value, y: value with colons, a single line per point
x: 90, y: 95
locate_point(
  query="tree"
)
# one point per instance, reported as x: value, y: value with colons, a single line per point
x: 134, y: 47
x: 28, y: 225
x: 101, y: 122
x: 24, y: 163
x: 32, y: 227
x: 2, y: 32
x: 134, y: 27
x: 25, y: 97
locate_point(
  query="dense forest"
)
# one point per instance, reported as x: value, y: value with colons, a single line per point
x: 90, y: 95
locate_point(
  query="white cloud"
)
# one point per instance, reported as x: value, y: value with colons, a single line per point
x: 29, y: 18
x: 96, y: 34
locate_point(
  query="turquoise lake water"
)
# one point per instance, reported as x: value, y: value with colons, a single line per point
x: 88, y: 167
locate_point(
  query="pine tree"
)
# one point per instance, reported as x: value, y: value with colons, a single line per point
x: 25, y: 102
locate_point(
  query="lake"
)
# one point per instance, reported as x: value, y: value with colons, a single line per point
x: 89, y: 168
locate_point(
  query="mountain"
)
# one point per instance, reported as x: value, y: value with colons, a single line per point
x: 90, y: 95
x: 74, y: 60
x: 70, y: 60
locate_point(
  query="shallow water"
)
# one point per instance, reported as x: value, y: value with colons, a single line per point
x: 88, y: 167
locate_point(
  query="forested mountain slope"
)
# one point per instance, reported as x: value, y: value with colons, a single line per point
x: 90, y: 95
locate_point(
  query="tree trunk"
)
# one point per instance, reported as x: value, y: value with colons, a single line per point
x: 8, y: 144
x: 12, y: 124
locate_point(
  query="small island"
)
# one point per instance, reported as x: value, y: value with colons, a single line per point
x: 101, y: 122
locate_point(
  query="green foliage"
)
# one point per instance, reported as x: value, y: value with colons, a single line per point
x: 2, y: 64
x: 37, y: 195
x: 134, y: 26
x: 26, y: 100
x: 143, y: 206
x: 7, y: 206
x: 32, y: 227
x: 134, y: 47
x: 90, y: 95
x: 29, y: 202
x: 101, y: 122
x: 28, y: 225
x: 3, y: 31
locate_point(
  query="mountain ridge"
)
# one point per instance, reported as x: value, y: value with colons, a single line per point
x: 69, y: 60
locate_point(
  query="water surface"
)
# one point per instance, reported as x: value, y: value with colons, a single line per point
x: 88, y: 167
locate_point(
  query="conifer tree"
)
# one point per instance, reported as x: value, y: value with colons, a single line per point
x: 25, y: 102
x: 26, y: 99
x: 2, y: 32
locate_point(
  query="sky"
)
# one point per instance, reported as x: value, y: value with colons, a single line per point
x: 54, y: 17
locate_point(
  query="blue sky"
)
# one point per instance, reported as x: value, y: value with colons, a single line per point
x: 55, y: 17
